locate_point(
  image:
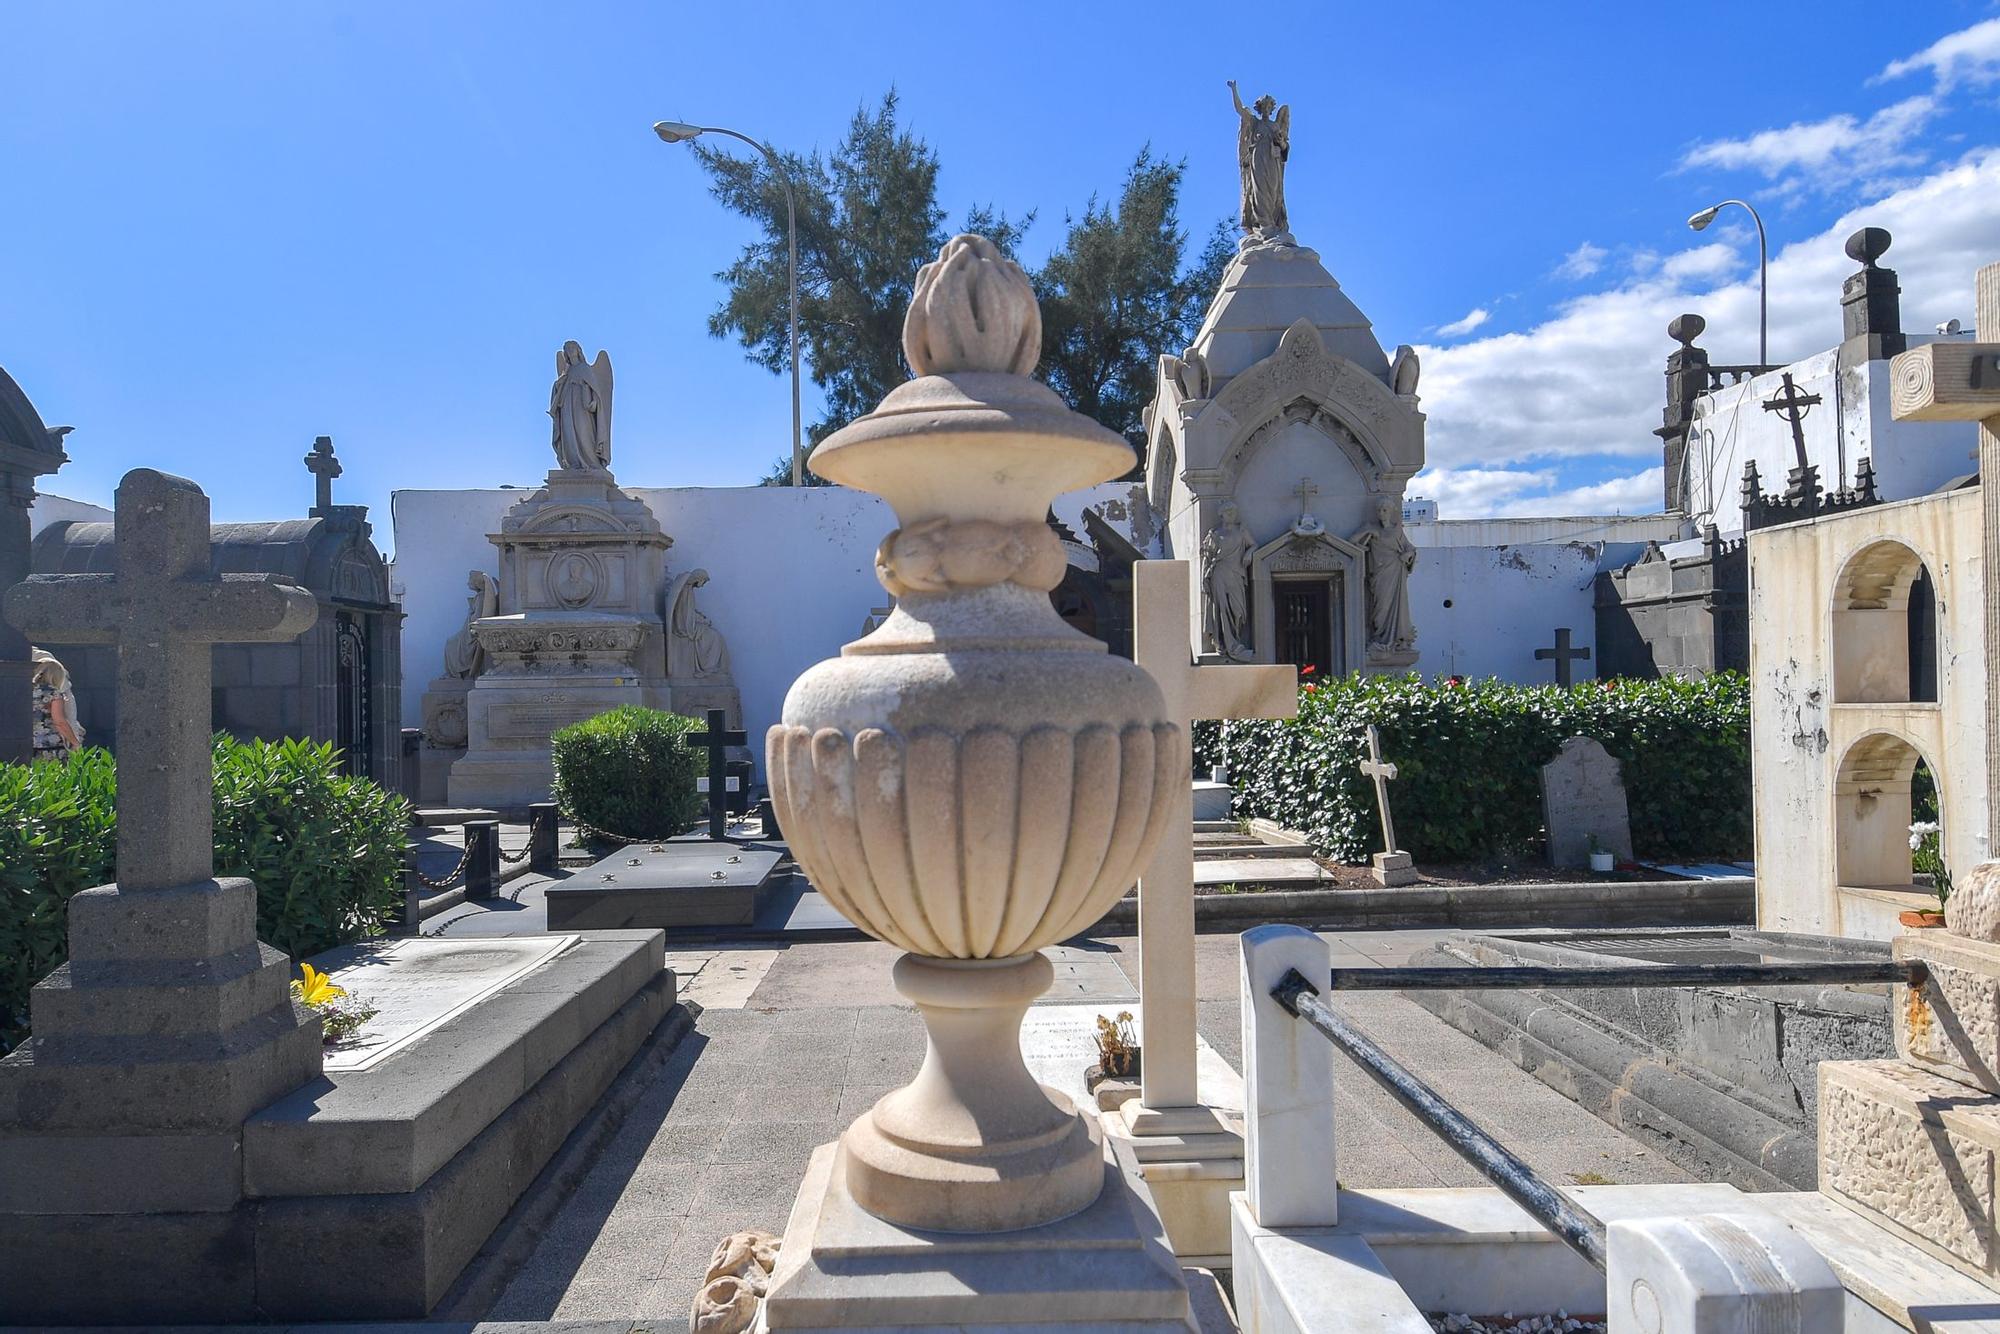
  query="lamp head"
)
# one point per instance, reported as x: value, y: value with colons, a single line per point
x: 675, y: 132
x: 1701, y: 220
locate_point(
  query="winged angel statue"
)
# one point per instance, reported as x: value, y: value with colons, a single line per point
x: 1263, y: 142
x: 580, y: 406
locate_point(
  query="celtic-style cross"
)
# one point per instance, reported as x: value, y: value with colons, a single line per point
x: 162, y: 609
x: 1790, y: 404
x: 324, y: 467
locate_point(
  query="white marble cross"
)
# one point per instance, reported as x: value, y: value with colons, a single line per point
x: 1374, y: 768
x: 162, y: 609
x: 1162, y: 610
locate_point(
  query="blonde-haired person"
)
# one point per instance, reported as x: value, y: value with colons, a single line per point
x: 57, y: 732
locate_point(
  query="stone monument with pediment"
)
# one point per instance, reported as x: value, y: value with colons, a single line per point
x: 577, y: 628
x: 1279, y: 447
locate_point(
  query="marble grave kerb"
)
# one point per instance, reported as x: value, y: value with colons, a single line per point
x: 973, y: 781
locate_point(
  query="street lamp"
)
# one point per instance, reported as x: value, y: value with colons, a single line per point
x: 675, y: 132
x: 1700, y: 222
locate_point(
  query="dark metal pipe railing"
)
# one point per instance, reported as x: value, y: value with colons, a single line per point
x: 1634, y: 975
x: 1573, y: 1225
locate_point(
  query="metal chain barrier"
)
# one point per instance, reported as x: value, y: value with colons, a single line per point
x: 450, y: 878
x: 512, y: 857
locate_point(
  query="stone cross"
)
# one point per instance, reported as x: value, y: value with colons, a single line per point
x: 1954, y: 381
x: 1305, y: 491
x: 324, y: 467
x: 717, y: 738
x: 1161, y: 633
x: 1373, y: 767
x: 1563, y: 655
x: 162, y: 609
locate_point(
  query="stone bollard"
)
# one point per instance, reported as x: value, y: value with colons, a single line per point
x: 542, y: 838
x: 1717, y: 1274
x: 409, y: 918
x: 482, y: 858
x: 1287, y: 1085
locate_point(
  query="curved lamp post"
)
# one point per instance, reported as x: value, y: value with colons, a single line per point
x: 675, y: 132
x: 1700, y: 222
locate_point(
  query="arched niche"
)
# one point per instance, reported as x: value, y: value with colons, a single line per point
x: 1871, y: 818
x: 1884, y: 627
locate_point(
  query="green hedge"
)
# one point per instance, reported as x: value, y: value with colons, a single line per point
x: 629, y: 773
x: 325, y: 851
x: 1469, y: 759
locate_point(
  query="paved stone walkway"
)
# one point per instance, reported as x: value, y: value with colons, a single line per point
x: 793, y: 1042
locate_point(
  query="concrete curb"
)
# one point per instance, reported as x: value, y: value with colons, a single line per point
x: 1585, y: 903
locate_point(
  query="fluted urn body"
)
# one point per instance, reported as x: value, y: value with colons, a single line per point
x: 974, y: 780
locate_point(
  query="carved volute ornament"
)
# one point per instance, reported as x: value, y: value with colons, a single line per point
x: 974, y: 780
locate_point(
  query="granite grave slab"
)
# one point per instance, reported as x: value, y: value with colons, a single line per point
x: 416, y: 986
x: 677, y: 883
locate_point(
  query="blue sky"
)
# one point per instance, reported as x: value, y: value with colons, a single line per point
x: 232, y: 227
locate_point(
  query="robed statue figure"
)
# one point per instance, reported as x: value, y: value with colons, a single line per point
x: 1391, y: 558
x: 580, y: 408
x: 1263, y: 142
x: 1226, y: 555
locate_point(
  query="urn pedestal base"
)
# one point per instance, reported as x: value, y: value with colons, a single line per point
x: 1106, y: 1269
x: 973, y: 1144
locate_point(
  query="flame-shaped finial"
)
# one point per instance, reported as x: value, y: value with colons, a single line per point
x: 972, y: 310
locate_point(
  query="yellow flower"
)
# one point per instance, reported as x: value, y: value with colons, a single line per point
x: 316, y: 988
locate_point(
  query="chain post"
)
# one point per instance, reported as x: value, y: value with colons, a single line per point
x: 542, y: 838
x: 482, y: 858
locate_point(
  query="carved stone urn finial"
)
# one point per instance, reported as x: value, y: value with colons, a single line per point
x: 974, y: 780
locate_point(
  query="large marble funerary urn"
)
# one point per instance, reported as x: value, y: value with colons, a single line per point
x: 974, y: 780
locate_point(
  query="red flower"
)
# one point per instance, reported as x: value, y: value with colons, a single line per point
x: 1307, y: 670
x: 1456, y: 682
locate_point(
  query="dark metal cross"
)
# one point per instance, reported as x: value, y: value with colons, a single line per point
x: 1790, y: 404
x: 162, y: 609
x: 324, y: 467
x: 717, y: 738
x: 1563, y: 655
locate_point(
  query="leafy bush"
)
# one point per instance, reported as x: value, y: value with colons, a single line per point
x: 629, y: 773
x: 1469, y: 760
x: 58, y: 834
x: 324, y: 850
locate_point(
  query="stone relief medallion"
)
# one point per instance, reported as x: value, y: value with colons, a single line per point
x: 444, y: 727
x: 573, y: 579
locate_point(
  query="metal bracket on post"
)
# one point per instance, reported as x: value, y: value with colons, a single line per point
x: 542, y: 838
x: 482, y: 858
x: 1287, y: 1086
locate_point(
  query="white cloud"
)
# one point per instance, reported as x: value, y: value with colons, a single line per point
x: 1588, y: 382
x: 1582, y: 262
x: 1971, y: 55
x: 1834, y: 151
x: 1714, y: 260
x: 1501, y: 493
x: 1472, y: 319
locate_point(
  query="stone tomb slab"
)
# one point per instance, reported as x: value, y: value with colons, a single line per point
x: 1583, y: 798
x: 418, y: 985
x: 678, y: 883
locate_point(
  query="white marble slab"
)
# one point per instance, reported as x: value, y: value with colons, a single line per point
x: 417, y: 984
x: 1059, y: 1042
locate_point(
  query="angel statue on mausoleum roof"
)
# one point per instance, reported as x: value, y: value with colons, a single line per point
x: 580, y: 407
x: 1263, y: 143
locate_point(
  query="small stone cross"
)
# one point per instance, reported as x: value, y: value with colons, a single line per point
x: 162, y: 609
x: 1375, y: 768
x: 1790, y: 404
x: 717, y: 737
x: 324, y: 467
x: 1305, y: 491
x: 1163, y: 605
x: 1563, y: 655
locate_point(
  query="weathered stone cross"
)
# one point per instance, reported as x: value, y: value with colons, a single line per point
x: 324, y: 467
x: 162, y: 609
x: 1950, y: 381
x: 1161, y: 635
x: 1392, y: 864
x: 1790, y: 404
x: 1563, y: 655
x: 718, y: 738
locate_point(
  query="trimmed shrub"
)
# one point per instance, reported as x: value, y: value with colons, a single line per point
x: 629, y: 773
x: 1469, y: 758
x: 324, y: 849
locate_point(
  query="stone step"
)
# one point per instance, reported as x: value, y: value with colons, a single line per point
x: 1250, y: 848
x: 1291, y: 872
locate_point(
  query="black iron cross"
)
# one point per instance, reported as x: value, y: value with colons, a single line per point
x: 324, y: 467
x: 1790, y: 404
x: 717, y: 738
x: 1563, y: 655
